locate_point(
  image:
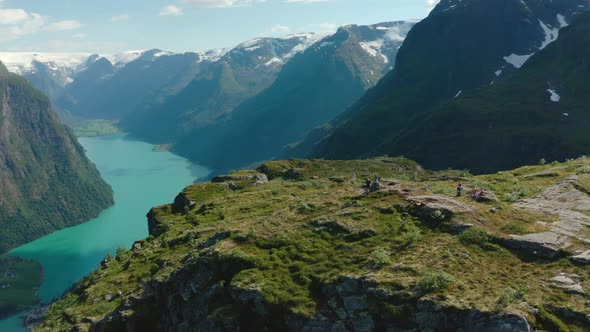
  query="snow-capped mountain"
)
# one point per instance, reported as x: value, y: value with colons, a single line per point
x: 269, y: 92
x: 24, y: 62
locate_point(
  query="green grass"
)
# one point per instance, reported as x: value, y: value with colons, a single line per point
x: 24, y: 278
x: 289, y: 239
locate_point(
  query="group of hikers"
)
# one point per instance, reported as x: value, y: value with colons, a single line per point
x: 474, y: 193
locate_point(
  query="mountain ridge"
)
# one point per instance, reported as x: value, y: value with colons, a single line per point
x: 47, y: 181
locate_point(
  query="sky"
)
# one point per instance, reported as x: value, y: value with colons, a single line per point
x: 110, y: 26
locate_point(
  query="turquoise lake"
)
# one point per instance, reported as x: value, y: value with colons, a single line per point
x: 140, y: 179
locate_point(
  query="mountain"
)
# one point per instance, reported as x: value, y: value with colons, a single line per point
x: 47, y: 182
x: 459, y: 47
x: 538, y: 113
x: 217, y: 89
x: 113, y: 92
x: 311, y: 88
x: 301, y: 245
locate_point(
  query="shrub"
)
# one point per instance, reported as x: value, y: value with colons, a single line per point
x: 474, y: 236
x: 584, y: 170
x: 410, y: 238
x: 380, y: 258
x: 542, y: 161
x: 432, y: 282
x: 517, y: 194
x: 510, y: 295
x: 353, y: 203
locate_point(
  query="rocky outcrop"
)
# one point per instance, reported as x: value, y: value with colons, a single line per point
x: 567, y: 203
x: 547, y: 245
x: 182, y: 204
x: 238, y: 181
x: 436, y: 208
x: 569, y: 283
x: 156, y: 226
x: 431, y: 316
x: 583, y: 258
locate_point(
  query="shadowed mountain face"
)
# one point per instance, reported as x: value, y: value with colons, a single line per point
x: 47, y: 182
x: 217, y: 89
x: 539, y: 112
x: 459, y: 47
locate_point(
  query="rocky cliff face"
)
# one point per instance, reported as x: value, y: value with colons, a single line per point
x: 308, y: 245
x: 47, y: 182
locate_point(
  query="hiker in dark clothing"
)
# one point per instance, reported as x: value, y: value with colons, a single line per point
x: 459, y: 189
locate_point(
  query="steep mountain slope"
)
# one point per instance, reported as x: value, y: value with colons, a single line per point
x: 460, y: 46
x: 311, y: 89
x: 47, y: 182
x: 301, y: 245
x: 216, y: 90
x: 539, y: 112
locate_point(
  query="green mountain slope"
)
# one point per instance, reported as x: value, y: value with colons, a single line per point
x: 311, y: 89
x: 539, y: 112
x: 459, y: 47
x: 47, y: 182
x: 215, y: 90
x: 301, y: 245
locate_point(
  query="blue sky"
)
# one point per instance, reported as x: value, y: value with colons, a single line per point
x: 107, y: 26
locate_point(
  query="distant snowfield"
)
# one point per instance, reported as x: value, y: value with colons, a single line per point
x: 22, y: 62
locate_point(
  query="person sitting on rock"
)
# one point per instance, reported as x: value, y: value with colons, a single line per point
x: 474, y: 192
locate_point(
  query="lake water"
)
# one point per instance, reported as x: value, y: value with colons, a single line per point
x: 140, y: 179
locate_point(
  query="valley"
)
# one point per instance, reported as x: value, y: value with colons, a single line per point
x: 425, y: 174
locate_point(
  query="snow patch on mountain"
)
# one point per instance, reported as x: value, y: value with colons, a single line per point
x: 551, y: 35
x: 277, y: 50
x: 389, y: 35
x: 553, y: 95
x: 374, y: 48
x: 23, y: 62
x: 120, y: 60
x: 517, y: 60
x: 211, y: 55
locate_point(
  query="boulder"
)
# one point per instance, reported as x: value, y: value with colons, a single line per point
x: 546, y: 245
x: 569, y: 283
x: 182, y: 204
x: 583, y: 258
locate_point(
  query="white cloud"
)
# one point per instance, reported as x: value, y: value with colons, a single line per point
x: 221, y: 3
x: 282, y: 29
x: 26, y: 24
x: 79, y: 36
x: 16, y: 23
x: 171, y: 11
x: 12, y: 16
x: 119, y: 18
x: 63, y: 25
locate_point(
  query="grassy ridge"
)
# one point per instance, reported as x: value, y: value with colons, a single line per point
x: 290, y: 239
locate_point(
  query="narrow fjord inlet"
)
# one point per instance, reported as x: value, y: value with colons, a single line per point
x: 140, y: 178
